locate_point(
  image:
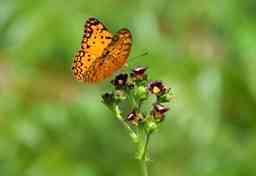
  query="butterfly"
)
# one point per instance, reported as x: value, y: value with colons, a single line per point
x: 101, y: 53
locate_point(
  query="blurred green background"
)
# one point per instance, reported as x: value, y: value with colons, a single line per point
x: 53, y: 125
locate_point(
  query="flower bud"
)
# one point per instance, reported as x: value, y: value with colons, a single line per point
x: 151, y: 126
x: 108, y: 99
x: 119, y: 95
x: 141, y: 93
x: 167, y: 96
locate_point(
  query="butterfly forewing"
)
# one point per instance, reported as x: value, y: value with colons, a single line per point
x: 100, y: 54
x: 96, y: 37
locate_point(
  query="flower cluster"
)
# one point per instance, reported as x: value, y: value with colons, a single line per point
x: 135, y: 88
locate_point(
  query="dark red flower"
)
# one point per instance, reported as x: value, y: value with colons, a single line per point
x: 156, y: 87
x: 158, y: 111
x: 138, y: 73
x: 134, y: 117
x: 120, y: 80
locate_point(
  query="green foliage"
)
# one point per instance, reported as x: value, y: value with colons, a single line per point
x: 51, y: 125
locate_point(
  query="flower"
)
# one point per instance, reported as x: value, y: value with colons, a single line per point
x: 158, y: 111
x: 134, y: 117
x: 138, y: 73
x: 120, y: 80
x: 156, y: 87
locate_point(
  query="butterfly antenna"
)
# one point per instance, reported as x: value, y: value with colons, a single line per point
x: 132, y: 61
x: 143, y: 54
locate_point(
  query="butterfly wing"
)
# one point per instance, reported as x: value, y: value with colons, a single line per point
x: 95, y: 39
x: 113, y: 57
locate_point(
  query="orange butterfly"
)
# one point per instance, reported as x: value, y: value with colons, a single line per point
x: 100, y: 54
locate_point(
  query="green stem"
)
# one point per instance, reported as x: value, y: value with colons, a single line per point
x: 143, y: 152
x: 145, y: 168
x: 130, y: 130
x: 131, y: 100
x: 139, y: 105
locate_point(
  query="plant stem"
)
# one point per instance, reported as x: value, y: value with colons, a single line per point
x: 143, y: 151
x: 132, y: 101
x: 130, y: 130
x: 142, y: 154
x: 145, y: 147
x: 144, y: 167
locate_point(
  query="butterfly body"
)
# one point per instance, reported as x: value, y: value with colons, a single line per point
x: 101, y: 53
